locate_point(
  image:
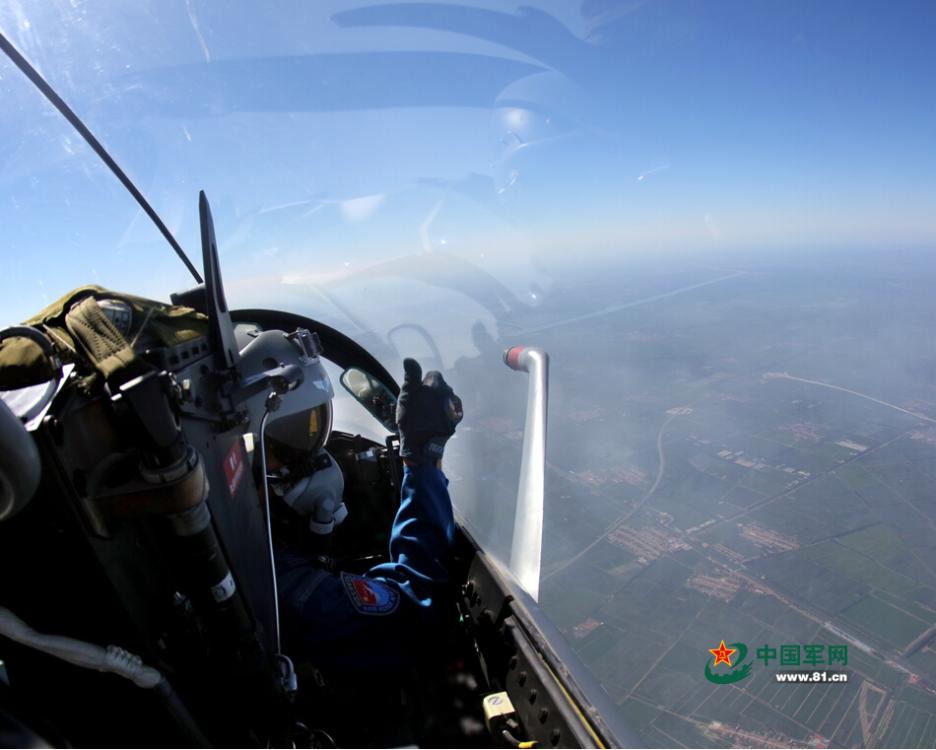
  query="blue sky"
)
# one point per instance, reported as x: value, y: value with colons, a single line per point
x: 333, y: 136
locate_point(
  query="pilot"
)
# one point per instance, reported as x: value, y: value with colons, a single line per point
x: 340, y: 621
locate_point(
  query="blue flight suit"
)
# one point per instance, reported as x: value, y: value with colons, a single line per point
x: 378, y: 620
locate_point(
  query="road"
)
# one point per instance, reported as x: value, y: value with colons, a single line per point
x: 787, y: 376
x: 628, y: 514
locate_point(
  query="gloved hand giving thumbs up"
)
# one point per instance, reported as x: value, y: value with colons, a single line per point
x: 427, y: 413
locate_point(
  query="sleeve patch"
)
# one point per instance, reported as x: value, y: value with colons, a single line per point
x: 370, y: 597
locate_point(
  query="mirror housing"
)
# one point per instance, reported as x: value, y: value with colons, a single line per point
x: 373, y: 395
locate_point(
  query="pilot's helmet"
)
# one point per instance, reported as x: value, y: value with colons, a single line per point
x: 296, y: 433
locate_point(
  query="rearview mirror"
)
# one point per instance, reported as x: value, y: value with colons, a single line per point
x: 372, y: 395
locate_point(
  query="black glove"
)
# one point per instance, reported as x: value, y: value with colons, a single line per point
x: 426, y: 414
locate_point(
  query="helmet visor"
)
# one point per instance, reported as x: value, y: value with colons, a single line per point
x: 295, y: 436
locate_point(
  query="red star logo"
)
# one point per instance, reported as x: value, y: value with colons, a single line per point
x: 722, y: 654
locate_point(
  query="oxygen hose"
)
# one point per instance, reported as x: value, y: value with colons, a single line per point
x: 112, y: 659
x: 272, y: 405
x: 284, y: 663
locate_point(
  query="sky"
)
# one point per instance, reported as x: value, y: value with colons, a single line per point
x: 333, y: 137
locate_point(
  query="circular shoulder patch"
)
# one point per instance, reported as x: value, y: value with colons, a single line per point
x: 370, y: 597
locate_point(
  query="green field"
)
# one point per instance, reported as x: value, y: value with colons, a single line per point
x: 858, y: 566
x: 909, y: 727
x: 893, y: 626
x: 860, y: 522
x: 826, y: 589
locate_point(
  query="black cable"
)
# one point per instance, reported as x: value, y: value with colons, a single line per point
x: 40, y: 83
x: 330, y: 742
x: 180, y: 713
